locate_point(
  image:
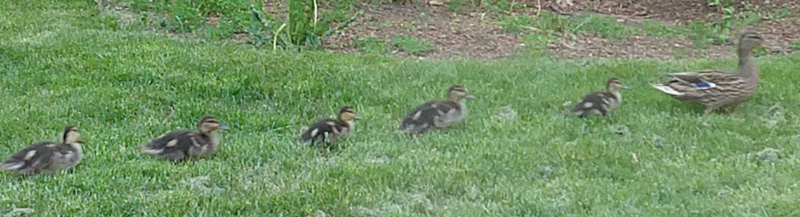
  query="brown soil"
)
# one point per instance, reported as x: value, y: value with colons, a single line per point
x: 454, y: 35
x: 673, y: 11
x: 477, y: 34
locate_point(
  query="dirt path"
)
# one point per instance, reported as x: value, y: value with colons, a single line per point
x: 478, y: 34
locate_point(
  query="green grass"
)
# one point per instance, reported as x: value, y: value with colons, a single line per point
x: 63, y: 64
x: 412, y: 44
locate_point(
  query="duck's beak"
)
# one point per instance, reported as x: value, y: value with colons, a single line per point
x: 358, y: 117
x: 625, y: 87
x: 224, y: 127
x: 470, y: 96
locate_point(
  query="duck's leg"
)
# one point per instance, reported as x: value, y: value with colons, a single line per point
x: 708, y: 111
x: 608, y: 118
x: 728, y: 110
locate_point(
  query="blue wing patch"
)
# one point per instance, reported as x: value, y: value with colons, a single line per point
x: 703, y: 84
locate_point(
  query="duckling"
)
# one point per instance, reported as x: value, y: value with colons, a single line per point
x: 326, y: 131
x: 48, y: 157
x: 714, y: 88
x: 183, y: 144
x: 437, y: 114
x: 600, y: 103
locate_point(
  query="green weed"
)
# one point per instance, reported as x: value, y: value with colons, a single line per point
x: 412, y: 45
x: 372, y: 45
x: 582, y: 24
x: 518, y: 23
x: 538, y: 43
x: 188, y: 16
x: 659, y: 30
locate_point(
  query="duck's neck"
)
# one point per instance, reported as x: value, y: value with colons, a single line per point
x: 77, y: 147
x: 616, y: 95
x: 213, y: 139
x: 747, y: 64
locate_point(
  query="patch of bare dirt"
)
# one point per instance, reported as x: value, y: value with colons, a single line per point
x: 671, y: 12
x: 780, y: 36
x: 636, y: 47
x: 654, y: 48
x: 477, y: 35
x: 453, y: 35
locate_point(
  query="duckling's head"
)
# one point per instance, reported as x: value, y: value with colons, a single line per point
x: 614, y: 85
x: 71, y: 135
x: 347, y: 114
x: 750, y: 40
x: 457, y: 92
x: 210, y: 124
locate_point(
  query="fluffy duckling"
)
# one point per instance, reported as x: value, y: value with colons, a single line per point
x: 48, y: 157
x: 600, y: 103
x: 329, y: 130
x: 437, y: 114
x: 714, y: 88
x: 182, y: 144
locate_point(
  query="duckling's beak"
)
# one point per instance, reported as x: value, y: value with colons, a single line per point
x: 625, y: 87
x: 470, y: 96
x: 224, y: 127
x: 358, y: 117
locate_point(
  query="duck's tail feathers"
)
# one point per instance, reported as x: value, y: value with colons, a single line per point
x: 12, y: 165
x: 666, y: 89
x: 149, y: 150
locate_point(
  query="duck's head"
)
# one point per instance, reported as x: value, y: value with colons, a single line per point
x: 71, y: 135
x: 347, y: 114
x: 210, y: 124
x: 750, y: 40
x: 614, y: 85
x: 457, y: 92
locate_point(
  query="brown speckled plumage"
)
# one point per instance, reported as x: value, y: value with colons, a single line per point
x: 716, y: 89
x: 326, y: 131
x: 183, y: 144
x: 48, y: 157
x: 438, y: 113
x: 601, y: 102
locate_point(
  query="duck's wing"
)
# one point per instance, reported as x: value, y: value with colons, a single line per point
x: 173, y: 145
x: 427, y: 116
x: 594, y: 103
x: 322, y: 131
x: 689, y: 84
x: 32, y: 159
x: 699, y: 78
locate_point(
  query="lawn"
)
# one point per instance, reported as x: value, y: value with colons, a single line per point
x: 515, y: 155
